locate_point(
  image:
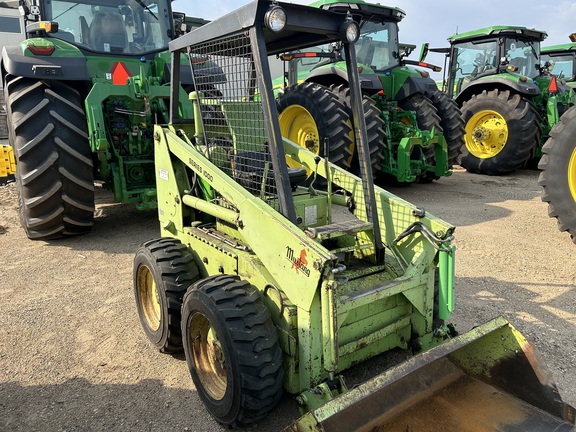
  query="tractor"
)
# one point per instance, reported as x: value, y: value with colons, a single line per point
x: 560, y: 60
x: 415, y: 132
x: 83, y: 91
x: 269, y: 285
x: 558, y: 173
x: 508, y: 100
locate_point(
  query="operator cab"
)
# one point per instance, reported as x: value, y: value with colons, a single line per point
x: 476, y: 58
x: 115, y: 27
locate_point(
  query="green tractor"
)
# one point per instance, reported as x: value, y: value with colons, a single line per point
x: 508, y: 100
x: 560, y: 60
x: 271, y: 286
x: 82, y: 94
x: 415, y: 132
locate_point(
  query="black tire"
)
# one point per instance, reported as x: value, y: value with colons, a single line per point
x: 54, y: 178
x: 427, y: 118
x: 163, y: 271
x: 375, y: 129
x: 518, y: 128
x: 452, y: 124
x: 329, y: 118
x: 232, y: 350
x: 558, y: 176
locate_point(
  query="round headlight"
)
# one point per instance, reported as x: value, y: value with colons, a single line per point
x: 350, y: 32
x: 275, y: 19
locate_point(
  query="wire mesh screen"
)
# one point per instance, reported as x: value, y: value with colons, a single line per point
x: 235, y: 133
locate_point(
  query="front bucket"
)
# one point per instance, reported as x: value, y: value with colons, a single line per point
x: 489, y: 379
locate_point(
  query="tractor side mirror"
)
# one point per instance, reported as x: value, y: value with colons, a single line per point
x: 179, y: 20
x: 424, y: 51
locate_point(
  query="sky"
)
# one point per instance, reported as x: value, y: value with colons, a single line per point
x: 435, y: 24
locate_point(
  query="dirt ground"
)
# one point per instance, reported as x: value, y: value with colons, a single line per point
x: 73, y: 356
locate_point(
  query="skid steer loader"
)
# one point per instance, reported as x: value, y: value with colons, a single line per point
x: 267, y: 288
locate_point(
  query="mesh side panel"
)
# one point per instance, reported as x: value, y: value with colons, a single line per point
x: 232, y: 112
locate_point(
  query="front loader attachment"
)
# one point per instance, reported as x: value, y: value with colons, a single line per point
x: 489, y: 379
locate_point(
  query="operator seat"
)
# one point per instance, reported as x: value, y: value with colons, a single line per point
x: 108, y: 32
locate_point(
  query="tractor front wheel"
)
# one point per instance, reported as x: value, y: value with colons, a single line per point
x: 309, y: 114
x: 163, y: 271
x: 558, y: 176
x: 502, y: 132
x: 232, y: 350
x: 54, y: 175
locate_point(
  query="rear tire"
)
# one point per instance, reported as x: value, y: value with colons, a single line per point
x: 374, y: 129
x: 427, y: 118
x: 502, y: 132
x: 54, y: 178
x: 558, y: 176
x: 163, y: 271
x: 232, y: 350
x: 452, y: 124
x: 310, y: 113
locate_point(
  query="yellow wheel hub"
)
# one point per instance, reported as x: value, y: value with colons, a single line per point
x: 208, y: 356
x: 298, y: 125
x: 486, y: 134
x: 572, y: 174
x: 148, y: 297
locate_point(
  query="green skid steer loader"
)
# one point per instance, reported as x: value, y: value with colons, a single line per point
x: 270, y: 286
x: 83, y: 91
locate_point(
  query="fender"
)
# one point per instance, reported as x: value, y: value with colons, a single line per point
x: 528, y: 89
x: 327, y: 75
x: 68, y: 68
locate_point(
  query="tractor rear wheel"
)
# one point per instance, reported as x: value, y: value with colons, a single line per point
x: 558, y: 176
x: 232, y: 350
x: 54, y: 178
x: 427, y: 118
x: 374, y: 129
x: 163, y: 271
x: 452, y: 125
x: 502, y: 132
x: 310, y: 113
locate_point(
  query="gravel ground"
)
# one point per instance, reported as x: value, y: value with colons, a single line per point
x: 73, y: 356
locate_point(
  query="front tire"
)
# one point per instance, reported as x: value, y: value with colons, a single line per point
x: 163, y: 271
x: 309, y: 114
x: 558, y: 176
x: 502, y: 132
x: 54, y: 178
x: 232, y: 350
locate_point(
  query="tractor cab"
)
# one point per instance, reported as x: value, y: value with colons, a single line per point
x: 560, y: 61
x: 492, y: 51
x: 104, y: 26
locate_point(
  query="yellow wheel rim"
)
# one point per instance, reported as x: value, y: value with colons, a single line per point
x: 298, y: 125
x: 486, y: 134
x: 148, y: 297
x: 572, y: 174
x: 208, y: 356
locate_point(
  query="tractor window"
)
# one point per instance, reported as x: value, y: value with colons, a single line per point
x: 124, y: 27
x: 560, y: 65
x: 472, y: 59
x: 523, y: 57
x: 378, y: 45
